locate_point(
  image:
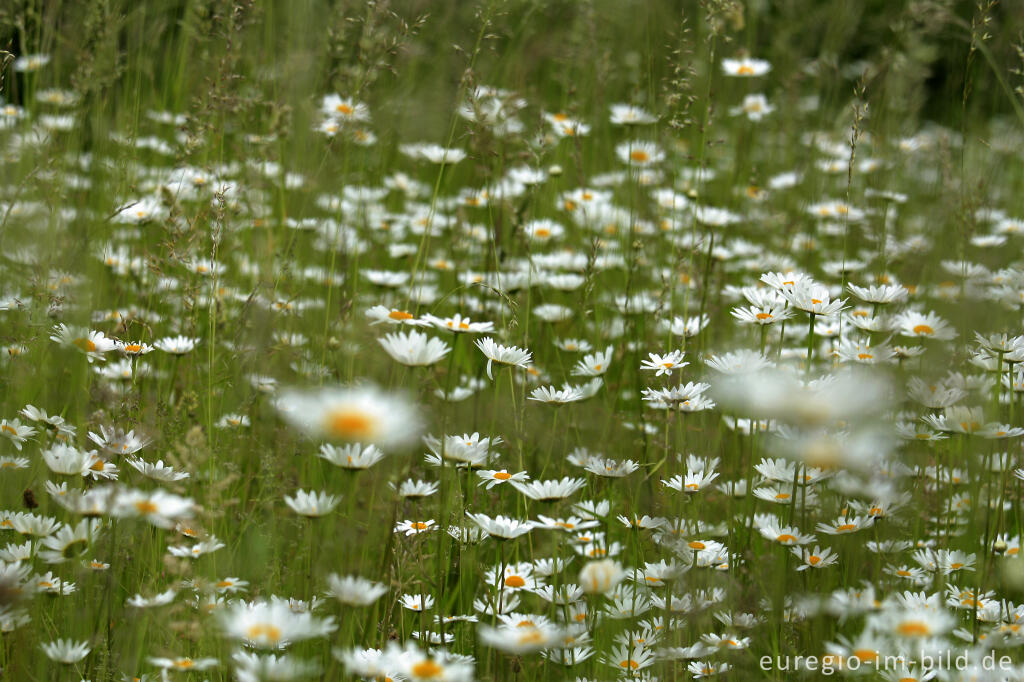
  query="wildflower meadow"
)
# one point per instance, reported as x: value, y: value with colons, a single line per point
x: 587, y: 340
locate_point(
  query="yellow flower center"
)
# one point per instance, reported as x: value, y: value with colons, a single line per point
x: 427, y: 669
x: 269, y: 632
x: 85, y: 344
x: 914, y: 628
x: 349, y: 424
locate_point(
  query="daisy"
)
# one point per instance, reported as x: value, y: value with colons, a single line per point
x: 701, y: 669
x: 66, y: 650
x: 365, y: 415
x: 93, y: 343
x: 69, y: 541
x: 157, y: 472
x: 271, y: 624
x: 160, y: 508
x: 546, y: 491
x: 594, y: 364
x: 16, y: 432
x: 664, y: 364
x: 68, y: 460
x: 693, y: 482
x: 745, y: 66
x: 880, y: 294
x: 763, y: 314
x: 414, y: 349
x: 493, y: 477
x: 233, y: 421
x: 773, y: 494
x: 416, y: 602
x: 433, y: 153
x: 639, y: 153
x: 416, y: 489
x: 503, y: 355
x: 53, y: 422
x: 501, y: 527
x: 354, y: 590
x: 816, y: 558
x: 351, y: 456
x: 845, y: 524
x: 786, y: 535
x: 312, y: 503
x: 133, y: 348
x: 926, y: 326
x: 117, y: 442
x: 610, y: 468
x: 415, y: 527
x: 183, y: 663
x: 208, y: 546
x: 252, y: 667
x: 550, y: 394
x: 755, y: 107
x: 459, y: 324
x: 543, y: 230
x: 162, y: 599
x: 379, y: 314
x: 573, y: 345
x: 344, y: 109
x: 564, y: 126
x: 627, y: 114
x: 410, y: 663
x: 629, y: 659
x: 861, y: 351
x: 812, y: 298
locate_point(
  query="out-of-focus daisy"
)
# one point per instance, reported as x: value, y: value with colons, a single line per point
x: 66, y: 650
x: 754, y: 107
x: 745, y: 66
x: 272, y: 624
x: 183, y: 663
x: 354, y: 590
x: 627, y: 114
x: 365, y: 415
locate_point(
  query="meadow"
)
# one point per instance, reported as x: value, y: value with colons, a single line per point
x: 511, y: 340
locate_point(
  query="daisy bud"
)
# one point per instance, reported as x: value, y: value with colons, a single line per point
x: 601, y: 576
